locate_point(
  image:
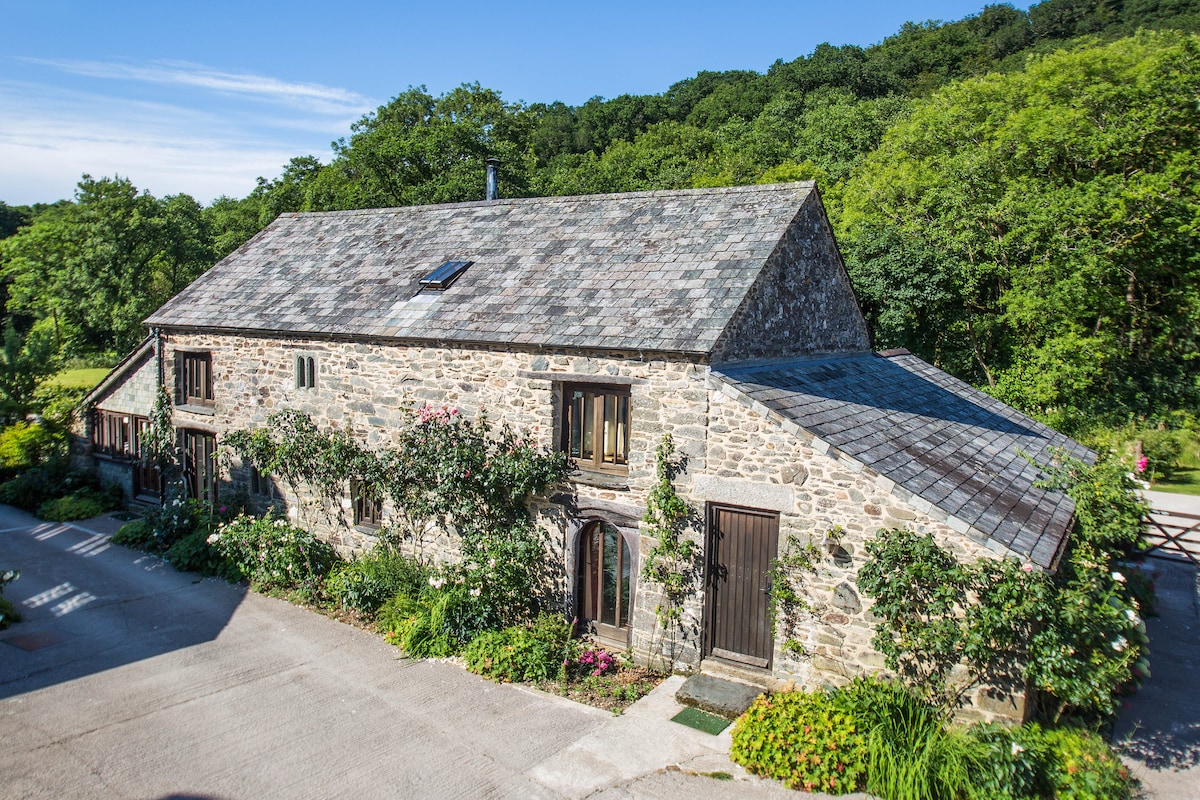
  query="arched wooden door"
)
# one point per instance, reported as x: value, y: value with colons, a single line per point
x: 604, y: 583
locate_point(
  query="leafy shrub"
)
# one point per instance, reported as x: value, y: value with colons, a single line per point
x: 1011, y: 763
x: 193, y: 553
x: 367, y: 582
x: 1083, y: 767
x: 29, y: 444
x: 177, y: 517
x: 8, y: 612
x: 532, y: 653
x: 444, y: 619
x: 82, y: 504
x: 804, y: 739
x: 137, y: 534
x: 912, y: 753
x: 1161, y: 449
x: 33, y: 487
x: 274, y: 554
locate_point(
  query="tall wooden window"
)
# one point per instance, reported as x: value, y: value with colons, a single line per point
x: 605, y: 581
x: 596, y: 429
x: 195, y: 378
x: 368, y: 511
x: 147, y: 477
x: 306, y: 372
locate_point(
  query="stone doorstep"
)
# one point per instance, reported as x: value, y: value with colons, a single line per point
x: 725, y: 698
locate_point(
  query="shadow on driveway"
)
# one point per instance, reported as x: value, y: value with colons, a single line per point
x: 1158, y: 731
x: 88, y: 605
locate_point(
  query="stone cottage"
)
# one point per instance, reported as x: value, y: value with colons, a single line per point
x: 598, y: 324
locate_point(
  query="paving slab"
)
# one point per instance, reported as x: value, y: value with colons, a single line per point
x: 725, y: 698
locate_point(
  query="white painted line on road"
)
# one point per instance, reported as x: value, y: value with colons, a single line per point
x: 44, y: 532
x: 37, y: 600
x: 14, y: 530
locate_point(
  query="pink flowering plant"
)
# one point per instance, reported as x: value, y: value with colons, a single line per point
x: 595, y: 661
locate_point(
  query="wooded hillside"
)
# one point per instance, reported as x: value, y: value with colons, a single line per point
x: 1015, y: 194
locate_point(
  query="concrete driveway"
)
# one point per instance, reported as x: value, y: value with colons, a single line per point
x: 130, y: 680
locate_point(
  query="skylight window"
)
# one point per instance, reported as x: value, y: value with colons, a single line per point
x: 442, y: 277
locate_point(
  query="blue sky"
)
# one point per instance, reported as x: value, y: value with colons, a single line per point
x: 202, y: 98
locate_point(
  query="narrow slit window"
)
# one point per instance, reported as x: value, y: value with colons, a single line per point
x: 306, y: 372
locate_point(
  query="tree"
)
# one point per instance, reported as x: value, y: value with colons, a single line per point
x: 419, y: 149
x: 1037, y: 232
x: 91, y: 271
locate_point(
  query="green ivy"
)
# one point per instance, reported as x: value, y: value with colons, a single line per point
x: 788, y: 576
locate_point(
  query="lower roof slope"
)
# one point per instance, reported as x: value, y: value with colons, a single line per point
x: 934, y: 435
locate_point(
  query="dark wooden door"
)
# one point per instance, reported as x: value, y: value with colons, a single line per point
x: 742, y: 543
x: 200, y: 466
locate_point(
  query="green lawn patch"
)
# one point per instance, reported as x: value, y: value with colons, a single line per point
x: 79, y: 378
x: 1186, y: 480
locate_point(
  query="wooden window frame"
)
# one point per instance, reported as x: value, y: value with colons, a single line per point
x: 621, y: 397
x: 117, y: 435
x: 194, y: 377
x: 202, y: 480
x: 306, y: 372
x: 589, y: 582
x: 368, y: 511
x: 262, y: 484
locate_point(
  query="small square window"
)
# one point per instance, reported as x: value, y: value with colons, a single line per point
x: 262, y: 484
x: 595, y: 430
x: 368, y: 511
x: 306, y: 372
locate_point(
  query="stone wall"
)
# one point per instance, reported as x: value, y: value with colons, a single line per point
x: 733, y: 454
x: 754, y: 461
x: 802, y: 302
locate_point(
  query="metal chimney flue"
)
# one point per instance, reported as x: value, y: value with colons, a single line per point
x: 493, y: 181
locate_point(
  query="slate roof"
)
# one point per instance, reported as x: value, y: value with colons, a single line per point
x: 653, y: 271
x: 937, y: 437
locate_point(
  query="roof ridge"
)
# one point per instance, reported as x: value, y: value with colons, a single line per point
x: 763, y: 188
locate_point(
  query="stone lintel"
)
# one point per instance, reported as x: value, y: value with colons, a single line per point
x: 739, y: 492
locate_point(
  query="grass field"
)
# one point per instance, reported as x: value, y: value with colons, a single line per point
x: 1186, y: 479
x: 79, y: 378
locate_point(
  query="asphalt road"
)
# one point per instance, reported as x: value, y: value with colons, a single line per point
x: 129, y: 680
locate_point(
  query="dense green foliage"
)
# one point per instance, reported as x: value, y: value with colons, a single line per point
x: 885, y: 739
x: 537, y: 651
x: 367, y: 582
x: 1036, y: 232
x: 8, y: 612
x: 672, y: 563
x: 1028, y: 225
x: 1075, y: 634
x: 273, y: 554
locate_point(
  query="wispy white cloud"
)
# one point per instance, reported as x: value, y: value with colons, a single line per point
x: 50, y: 136
x: 311, y: 96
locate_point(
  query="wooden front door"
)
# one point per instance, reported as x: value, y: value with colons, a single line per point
x: 741, y: 544
x: 604, y: 583
x: 200, y: 466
